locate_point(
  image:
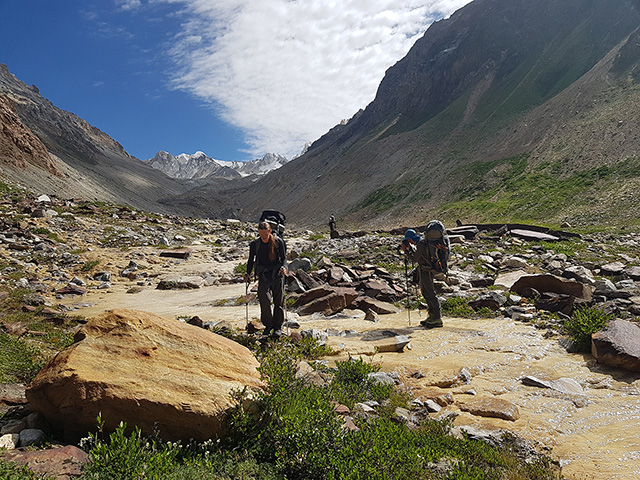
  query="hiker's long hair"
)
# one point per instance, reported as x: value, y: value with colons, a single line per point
x: 271, y: 242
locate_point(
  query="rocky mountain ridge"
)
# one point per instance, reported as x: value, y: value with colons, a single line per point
x: 491, y: 111
x: 51, y: 150
x: 199, y: 166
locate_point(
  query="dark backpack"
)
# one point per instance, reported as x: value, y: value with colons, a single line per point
x: 438, y: 246
x: 276, y: 219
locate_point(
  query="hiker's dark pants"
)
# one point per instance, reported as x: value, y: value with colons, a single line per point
x: 271, y: 281
x: 428, y: 290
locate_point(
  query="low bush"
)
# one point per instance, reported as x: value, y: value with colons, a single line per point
x: 457, y: 307
x: 19, y: 361
x: 290, y: 431
x: 584, y: 322
x: 11, y: 471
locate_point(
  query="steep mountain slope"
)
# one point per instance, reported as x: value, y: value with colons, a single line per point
x: 53, y: 151
x: 512, y: 109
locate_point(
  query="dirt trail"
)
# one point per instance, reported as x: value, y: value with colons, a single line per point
x: 594, y: 436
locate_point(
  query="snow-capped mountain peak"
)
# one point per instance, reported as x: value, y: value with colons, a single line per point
x: 199, y: 165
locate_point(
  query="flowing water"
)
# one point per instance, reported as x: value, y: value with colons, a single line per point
x: 595, y: 435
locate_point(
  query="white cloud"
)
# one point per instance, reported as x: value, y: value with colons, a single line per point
x: 128, y: 4
x: 286, y: 71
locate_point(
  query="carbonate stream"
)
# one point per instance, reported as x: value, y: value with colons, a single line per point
x: 593, y: 436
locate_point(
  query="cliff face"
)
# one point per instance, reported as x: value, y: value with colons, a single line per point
x: 19, y: 147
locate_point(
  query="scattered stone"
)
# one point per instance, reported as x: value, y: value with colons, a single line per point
x: 371, y: 316
x: 177, y: 283
x: 618, y: 345
x: 181, y: 253
x: 60, y: 462
x: 562, y: 385
x: 71, y: 289
x: 382, y: 378
x: 31, y: 437
x: 330, y: 300
x: 380, y: 307
x: 9, y: 441
x: 300, y: 263
x: 554, y: 284
x: 532, y: 235
x: 393, y: 344
x: 492, y: 300
x: 507, y: 280
x: 492, y: 407
x: 612, y: 269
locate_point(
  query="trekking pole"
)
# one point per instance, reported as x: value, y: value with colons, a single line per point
x: 406, y: 283
x: 246, y: 303
x: 284, y: 304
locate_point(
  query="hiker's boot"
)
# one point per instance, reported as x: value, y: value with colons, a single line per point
x: 431, y: 322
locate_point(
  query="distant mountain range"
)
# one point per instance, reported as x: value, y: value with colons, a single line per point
x: 509, y: 110
x: 199, y: 166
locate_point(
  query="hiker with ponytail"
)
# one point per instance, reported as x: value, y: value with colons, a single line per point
x: 267, y: 254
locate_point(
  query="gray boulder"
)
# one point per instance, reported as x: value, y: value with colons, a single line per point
x: 618, y: 345
x: 554, y: 284
x: 300, y: 263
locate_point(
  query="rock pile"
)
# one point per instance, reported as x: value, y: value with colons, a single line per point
x: 49, y: 249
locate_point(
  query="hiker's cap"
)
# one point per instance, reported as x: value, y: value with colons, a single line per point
x: 411, y: 235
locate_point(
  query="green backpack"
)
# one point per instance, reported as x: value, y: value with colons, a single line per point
x: 438, y: 246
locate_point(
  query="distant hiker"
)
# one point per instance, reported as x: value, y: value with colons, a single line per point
x: 268, y: 254
x: 431, y: 255
x: 332, y: 223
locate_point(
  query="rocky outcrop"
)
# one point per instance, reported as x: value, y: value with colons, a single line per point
x: 618, y: 345
x: 19, y: 147
x: 147, y: 371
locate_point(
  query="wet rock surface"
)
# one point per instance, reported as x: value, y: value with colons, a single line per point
x: 509, y: 371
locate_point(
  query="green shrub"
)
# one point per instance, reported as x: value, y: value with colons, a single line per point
x: 11, y: 471
x: 240, y: 269
x: 129, y: 456
x: 19, y: 361
x: 88, y: 265
x: 351, y: 383
x: 584, y: 322
x: 457, y: 307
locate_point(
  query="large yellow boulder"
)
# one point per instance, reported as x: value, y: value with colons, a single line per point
x: 157, y: 374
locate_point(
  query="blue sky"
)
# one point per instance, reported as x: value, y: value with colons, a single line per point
x: 233, y: 78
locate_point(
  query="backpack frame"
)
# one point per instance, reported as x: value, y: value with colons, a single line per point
x: 276, y: 219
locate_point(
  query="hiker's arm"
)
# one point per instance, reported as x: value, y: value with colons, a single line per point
x: 421, y: 256
x: 411, y: 252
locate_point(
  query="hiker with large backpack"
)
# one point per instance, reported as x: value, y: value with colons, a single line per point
x: 267, y: 254
x: 431, y: 253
